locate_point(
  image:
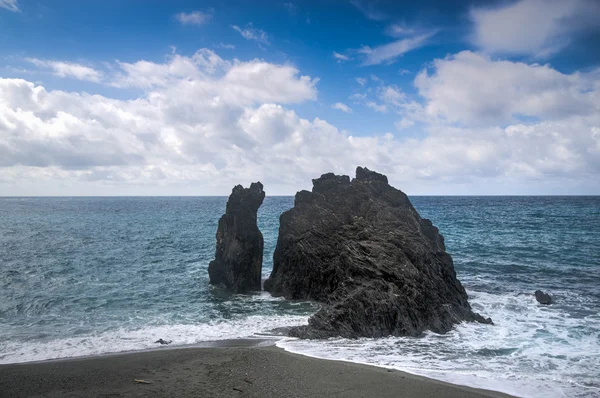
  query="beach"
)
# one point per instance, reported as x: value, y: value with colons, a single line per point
x: 238, y: 368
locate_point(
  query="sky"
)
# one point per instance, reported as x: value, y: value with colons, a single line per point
x: 132, y: 97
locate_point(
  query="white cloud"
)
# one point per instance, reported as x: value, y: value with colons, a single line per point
x: 146, y: 74
x: 358, y: 97
x: 194, y: 17
x: 10, y: 5
x: 206, y: 73
x: 67, y: 69
x: 541, y: 151
x: 393, y: 98
x: 342, y: 107
x: 381, y: 108
x: 250, y: 33
x: 340, y: 57
x: 471, y: 88
x: 404, y: 123
x: 392, y: 94
x: 225, y: 46
x: 399, y: 30
x: 470, y: 115
x: 361, y: 80
x: 369, y: 10
x: 382, y: 98
x: 201, y: 116
x: 532, y: 27
x: 292, y: 8
x: 264, y: 82
x: 388, y: 52
x: 166, y: 138
x: 204, y: 123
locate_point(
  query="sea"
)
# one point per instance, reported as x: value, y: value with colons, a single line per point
x: 92, y: 275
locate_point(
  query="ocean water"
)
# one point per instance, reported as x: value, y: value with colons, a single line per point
x: 84, y: 276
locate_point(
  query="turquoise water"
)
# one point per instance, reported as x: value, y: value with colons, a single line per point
x: 82, y: 276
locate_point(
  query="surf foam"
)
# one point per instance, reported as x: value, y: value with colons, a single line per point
x: 531, y: 350
x: 122, y: 340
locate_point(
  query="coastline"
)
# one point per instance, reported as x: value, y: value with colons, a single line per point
x: 233, y: 368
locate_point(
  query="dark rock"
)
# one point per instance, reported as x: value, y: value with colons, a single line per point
x: 543, y: 298
x: 360, y: 248
x: 364, y: 174
x: 163, y: 342
x: 280, y: 331
x: 238, y: 259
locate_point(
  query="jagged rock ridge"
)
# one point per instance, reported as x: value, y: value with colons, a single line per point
x: 238, y: 258
x: 360, y: 248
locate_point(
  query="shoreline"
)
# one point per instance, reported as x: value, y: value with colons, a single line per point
x: 225, y: 343
x: 229, y: 368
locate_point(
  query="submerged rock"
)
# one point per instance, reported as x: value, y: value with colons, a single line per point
x: 360, y: 248
x: 238, y: 259
x: 543, y: 298
x: 163, y: 342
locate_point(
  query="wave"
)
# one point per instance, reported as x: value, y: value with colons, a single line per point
x: 143, y: 338
x: 531, y: 350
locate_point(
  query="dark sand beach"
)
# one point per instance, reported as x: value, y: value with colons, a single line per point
x: 235, y: 369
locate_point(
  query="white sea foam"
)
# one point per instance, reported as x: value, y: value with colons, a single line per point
x: 121, y: 340
x: 531, y: 350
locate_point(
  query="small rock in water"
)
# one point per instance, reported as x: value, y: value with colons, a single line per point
x: 543, y: 298
x: 161, y: 341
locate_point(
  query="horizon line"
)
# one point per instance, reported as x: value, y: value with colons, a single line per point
x: 282, y: 196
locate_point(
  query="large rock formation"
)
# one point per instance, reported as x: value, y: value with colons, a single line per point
x: 238, y: 259
x: 360, y: 248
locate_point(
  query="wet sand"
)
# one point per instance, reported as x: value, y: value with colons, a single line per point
x: 231, y: 369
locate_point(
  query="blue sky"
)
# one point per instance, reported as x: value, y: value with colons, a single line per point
x: 154, y: 97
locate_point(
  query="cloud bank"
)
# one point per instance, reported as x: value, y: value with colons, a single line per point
x: 205, y: 123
